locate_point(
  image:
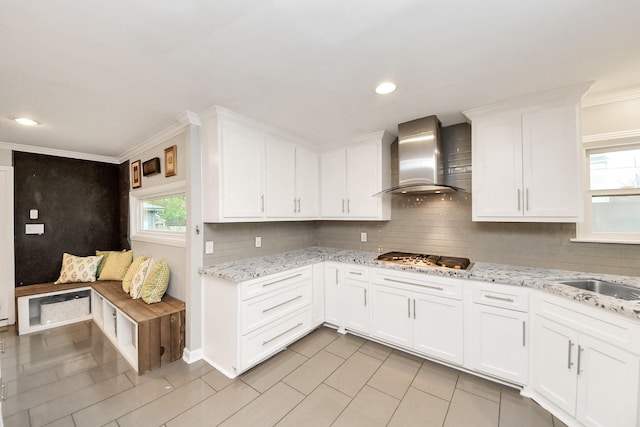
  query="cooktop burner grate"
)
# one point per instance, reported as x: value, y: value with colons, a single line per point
x: 422, y: 260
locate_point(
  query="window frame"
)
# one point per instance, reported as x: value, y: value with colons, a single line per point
x: 584, y: 230
x: 163, y: 237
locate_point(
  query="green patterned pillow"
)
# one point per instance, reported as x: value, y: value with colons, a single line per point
x: 78, y: 269
x: 116, y: 266
x: 140, y: 276
x: 128, y: 277
x: 156, y: 283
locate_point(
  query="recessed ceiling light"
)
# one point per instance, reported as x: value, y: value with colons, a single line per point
x: 385, y: 88
x: 26, y: 121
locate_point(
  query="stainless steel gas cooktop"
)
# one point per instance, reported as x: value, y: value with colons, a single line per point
x: 421, y: 260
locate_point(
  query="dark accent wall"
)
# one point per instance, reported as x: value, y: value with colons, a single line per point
x: 79, y: 203
x: 124, y: 186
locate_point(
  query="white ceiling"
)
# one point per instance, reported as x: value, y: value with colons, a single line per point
x: 102, y: 76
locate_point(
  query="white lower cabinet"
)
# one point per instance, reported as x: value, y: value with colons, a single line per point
x: 498, y: 330
x: 332, y: 295
x: 578, y: 369
x: 424, y: 314
x: 247, y: 322
x: 347, y: 296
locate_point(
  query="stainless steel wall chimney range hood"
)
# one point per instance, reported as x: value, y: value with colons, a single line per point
x: 420, y: 169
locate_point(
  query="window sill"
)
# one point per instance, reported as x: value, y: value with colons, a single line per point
x: 602, y: 240
x: 161, y: 239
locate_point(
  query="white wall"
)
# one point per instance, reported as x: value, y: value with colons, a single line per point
x: 622, y: 115
x: 6, y: 157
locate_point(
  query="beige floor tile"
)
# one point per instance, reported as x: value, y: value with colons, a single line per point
x: 518, y: 411
x: 63, y: 422
x: 315, y: 341
x: 80, y: 364
x: 110, y: 370
x: 353, y: 374
x: 122, y: 403
x: 319, y: 409
x: 436, y: 380
x: 46, y: 393
x: 370, y: 408
x: 269, y: 372
x: 479, y: 386
x: 180, y: 373
x: 419, y: 409
x: 168, y: 406
x: 468, y: 409
x: 395, y: 375
x: 80, y: 399
x: 217, y: 408
x: 267, y: 409
x: 26, y: 383
x: 345, y: 345
x: 313, y: 372
x: 21, y: 419
x: 217, y: 380
x: 376, y: 350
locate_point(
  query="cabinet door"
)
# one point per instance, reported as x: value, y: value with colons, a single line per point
x: 363, y: 169
x: 356, y: 306
x: 332, y: 295
x: 243, y: 171
x: 554, y: 363
x: 318, y: 294
x: 391, y: 315
x: 307, y: 183
x: 552, y: 182
x: 280, y: 178
x: 332, y: 184
x: 438, y: 327
x: 607, y: 385
x: 497, y: 167
x: 499, y: 344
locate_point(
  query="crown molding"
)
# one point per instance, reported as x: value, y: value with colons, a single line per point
x: 611, y: 97
x: 184, y: 119
x: 59, y: 153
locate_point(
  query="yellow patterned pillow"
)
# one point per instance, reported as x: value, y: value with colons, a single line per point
x: 105, y: 255
x: 128, y: 277
x: 140, y: 276
x: 116, y: 266
x: 78, y: 269
x: 156, y: 283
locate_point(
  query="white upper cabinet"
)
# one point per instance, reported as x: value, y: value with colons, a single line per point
x: 253, y: 172
x: 350, y: 176
x: 527, y: 158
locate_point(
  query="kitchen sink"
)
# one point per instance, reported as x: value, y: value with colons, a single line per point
x: 605, y: 288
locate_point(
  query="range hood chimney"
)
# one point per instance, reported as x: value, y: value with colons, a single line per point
x: 420, y: 169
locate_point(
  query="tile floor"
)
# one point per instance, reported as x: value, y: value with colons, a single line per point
x: 73, y: 376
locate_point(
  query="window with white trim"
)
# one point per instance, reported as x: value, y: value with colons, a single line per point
x: 159, y: 214
x: 612, y: 205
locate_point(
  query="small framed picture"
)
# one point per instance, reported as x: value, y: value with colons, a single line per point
x: 136, y: 175
x: 151, y: 167
x: 171, y: 161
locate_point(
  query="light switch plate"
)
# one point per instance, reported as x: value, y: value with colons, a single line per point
x: 208, y: 247
x: 363, y: 237
x: 33, y: 214
x: 34, y: 228
x: 258, y: 242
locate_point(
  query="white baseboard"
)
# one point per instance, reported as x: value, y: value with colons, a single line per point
x: 191, y: 356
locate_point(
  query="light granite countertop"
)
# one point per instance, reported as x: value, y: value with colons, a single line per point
x: 538, y: 278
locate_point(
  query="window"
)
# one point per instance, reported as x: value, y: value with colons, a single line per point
x: 612, y: 207
x: 159, y: 214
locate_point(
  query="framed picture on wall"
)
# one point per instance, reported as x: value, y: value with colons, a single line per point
x: 136, y: 175
x: 171, y: 161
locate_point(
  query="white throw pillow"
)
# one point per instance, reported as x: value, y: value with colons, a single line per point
x: 140, y: 276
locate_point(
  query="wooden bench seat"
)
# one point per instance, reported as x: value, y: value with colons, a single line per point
x: 160, y: 326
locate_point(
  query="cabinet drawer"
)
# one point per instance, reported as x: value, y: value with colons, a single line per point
x: 503, y: 296
x: 264, y: 342
x: 257, y: 312
x: 356, y: 272
x: 274, y: 282
x: 417, y: 282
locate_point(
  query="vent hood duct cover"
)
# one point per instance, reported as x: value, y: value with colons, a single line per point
x: 420, y: 168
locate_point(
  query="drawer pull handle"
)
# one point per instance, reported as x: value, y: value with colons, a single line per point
x: 499, y: 298
x: 524, y: 328
x: 281, y: 304
x: 409, y: 308
x: 569, y: 362
x: 414, y: 308
x: 416, y: 284
x: 279, y: 335
x: 264, y: 285
x: 365, y: 296
x: 357, y: 273
x: 579, y: 354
